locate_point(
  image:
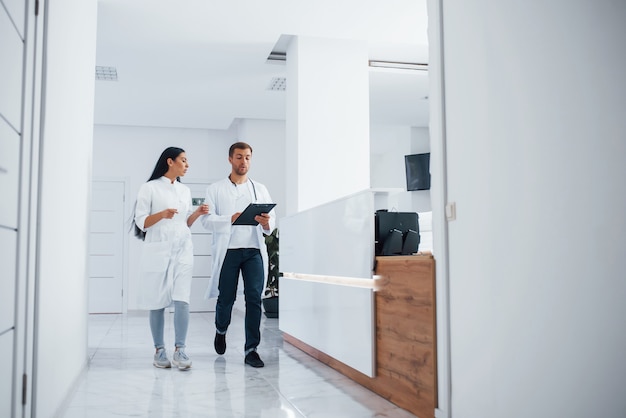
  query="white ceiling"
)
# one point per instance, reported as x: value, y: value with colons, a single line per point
x: 203, y: 63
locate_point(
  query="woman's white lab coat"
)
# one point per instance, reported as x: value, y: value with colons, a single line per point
x: 222, y: 200
x: 167, y: 255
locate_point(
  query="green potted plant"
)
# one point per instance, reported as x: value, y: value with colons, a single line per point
x: 270, y: 301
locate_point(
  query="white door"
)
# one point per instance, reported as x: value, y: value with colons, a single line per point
x: 106, y: 247
x: 201, y: 254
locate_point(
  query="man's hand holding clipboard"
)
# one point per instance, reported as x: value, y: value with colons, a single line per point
x: 253, y: 214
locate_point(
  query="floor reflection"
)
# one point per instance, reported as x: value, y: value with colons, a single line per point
x: 121, y: 381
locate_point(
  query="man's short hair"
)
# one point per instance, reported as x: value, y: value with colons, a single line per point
x: 238, y: 145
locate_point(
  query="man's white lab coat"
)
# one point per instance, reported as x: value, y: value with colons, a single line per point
x: 223, y: 202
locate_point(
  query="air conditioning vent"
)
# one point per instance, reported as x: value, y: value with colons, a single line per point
x: 278, y: 84
x: 106, y: 73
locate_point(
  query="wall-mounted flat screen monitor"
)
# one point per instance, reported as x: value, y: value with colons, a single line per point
x: 417, y: 167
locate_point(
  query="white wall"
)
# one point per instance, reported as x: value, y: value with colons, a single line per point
x: 130, y: 153
x: 61, y: 289
x: 267, y: 139
x: 535, y: 100
x: 388, y: 146
x: 327, y: 121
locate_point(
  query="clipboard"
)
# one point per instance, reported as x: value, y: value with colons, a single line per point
x: 253, y: 209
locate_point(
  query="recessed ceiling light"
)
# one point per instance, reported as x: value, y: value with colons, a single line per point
x: 277, y: 84
x: 399, y: 65
x: 276, y: 57
x: 106, y: 73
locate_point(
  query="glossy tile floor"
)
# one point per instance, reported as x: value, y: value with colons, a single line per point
x: 121, y: 381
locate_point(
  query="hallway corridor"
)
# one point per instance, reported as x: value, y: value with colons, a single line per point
x: 121, y: 381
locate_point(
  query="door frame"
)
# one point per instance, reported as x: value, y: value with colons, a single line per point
x: 439, y: 202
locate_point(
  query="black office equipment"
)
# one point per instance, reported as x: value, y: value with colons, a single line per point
x: 411, y: 242
x: 393, y: 243
x: 387, y: 223
x: 253, y: 209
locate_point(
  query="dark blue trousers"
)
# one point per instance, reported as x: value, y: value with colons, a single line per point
x: 248, y: 261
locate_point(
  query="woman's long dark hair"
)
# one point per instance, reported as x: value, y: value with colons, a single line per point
x: 159, y: 171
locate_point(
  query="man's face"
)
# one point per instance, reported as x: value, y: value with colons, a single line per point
x: 240, y: 161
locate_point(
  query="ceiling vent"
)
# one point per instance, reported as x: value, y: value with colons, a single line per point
x: 106, y: 73
x: 277, y: 84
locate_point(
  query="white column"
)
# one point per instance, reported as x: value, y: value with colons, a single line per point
x: 327, y: 124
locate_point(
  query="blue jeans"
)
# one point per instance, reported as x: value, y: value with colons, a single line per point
x: 248, y: 261
x: 181, y: 324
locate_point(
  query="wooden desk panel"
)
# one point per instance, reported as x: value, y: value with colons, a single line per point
x: 406, y: 363
x: 406, y: 329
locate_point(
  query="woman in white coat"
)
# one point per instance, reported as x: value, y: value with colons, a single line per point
x: 163, y: 216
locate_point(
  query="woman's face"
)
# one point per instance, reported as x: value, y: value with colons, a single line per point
x: 179, y: 166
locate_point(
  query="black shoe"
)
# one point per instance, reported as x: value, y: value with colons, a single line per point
x: 254, y: 360
x: 220, y: 343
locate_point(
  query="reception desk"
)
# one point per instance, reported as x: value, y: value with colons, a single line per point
x: 371, y: 318
x: 405, y: 335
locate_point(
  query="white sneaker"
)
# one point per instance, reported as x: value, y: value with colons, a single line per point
x: 160, y: 359
x: 181, y: 360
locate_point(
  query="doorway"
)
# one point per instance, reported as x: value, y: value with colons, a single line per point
x: 107, y: 247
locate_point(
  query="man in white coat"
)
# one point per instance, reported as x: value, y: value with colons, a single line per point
x: 238, y: 249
